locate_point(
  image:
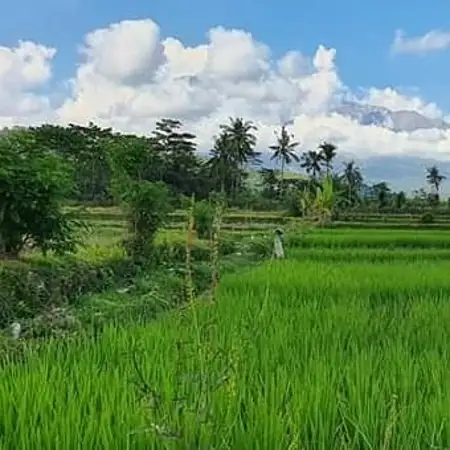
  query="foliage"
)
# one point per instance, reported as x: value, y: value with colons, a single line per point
x: 204, y: 218
x: 147, y: 205
x: 324, y: 201
x: 27, y: 289
x: 34, y: 183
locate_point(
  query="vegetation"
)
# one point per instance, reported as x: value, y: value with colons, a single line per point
x: 341, y: 345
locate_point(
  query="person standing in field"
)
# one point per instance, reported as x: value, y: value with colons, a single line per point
x: 278, y: 250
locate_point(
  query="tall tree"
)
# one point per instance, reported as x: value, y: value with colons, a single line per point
x: 310, y: 161
x: 400, y: 199
x: 353, y: 180
x: 435, y: 179
x: 284, y: 151
x: 178, y: 149
x: 327, y: 152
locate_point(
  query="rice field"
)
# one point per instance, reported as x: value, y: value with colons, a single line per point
x: 344, y: 345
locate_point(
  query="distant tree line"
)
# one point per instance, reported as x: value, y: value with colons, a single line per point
x: 45, y: 166
x: 233, y: 168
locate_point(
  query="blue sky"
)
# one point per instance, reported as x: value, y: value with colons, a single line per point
x: 361, y: 34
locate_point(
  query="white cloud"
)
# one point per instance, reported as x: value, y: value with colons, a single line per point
x: 22, y: 69
x: 433, y: 41
x: 129, y: 77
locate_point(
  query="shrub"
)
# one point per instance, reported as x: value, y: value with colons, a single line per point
x: 147, y: 206
x: 426, y: 218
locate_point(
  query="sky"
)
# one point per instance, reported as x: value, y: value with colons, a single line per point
x: 126, y: 64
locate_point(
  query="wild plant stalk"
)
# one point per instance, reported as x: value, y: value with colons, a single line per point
x: 188, y: 261
x: 391, y: 421
x: 215, y: 244
x: 190, y: 286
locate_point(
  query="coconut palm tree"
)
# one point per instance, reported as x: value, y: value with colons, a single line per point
x: 434, y: 179
x: 353, y: 179
x: 239, y: 143
x: 284, y: 151
x: 311, y: 163
x: 327, y: 151
x: 241, y: 140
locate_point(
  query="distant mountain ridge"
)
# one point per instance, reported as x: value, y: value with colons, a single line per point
x: 403, y: 120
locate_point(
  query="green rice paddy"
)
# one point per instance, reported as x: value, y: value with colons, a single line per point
x: 344, y: 345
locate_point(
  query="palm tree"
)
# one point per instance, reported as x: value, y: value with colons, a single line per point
x: 221, y: 164
x: 327, y: 151
x: 284, y: 150
x: 311, y: 163
x: 353, y: 179
x: 434, y: 178
x: 241, y: 140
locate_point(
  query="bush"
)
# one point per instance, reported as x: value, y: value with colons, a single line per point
x: 147, y: 206
x: 426, y: 218
x: 204, y: 219
x: 294, y: 203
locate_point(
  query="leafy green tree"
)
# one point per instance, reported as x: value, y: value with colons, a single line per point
x: 284, y: 151
x: 180, y: 168
x: 34, y: 184
x: 136, y: 158
x: 327, y: 152
x: 382, y: 192
x: 86, y: 148
x: 400, y: 199
x: 269, y: 182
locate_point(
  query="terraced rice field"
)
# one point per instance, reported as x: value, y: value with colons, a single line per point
x: 344, y: 345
